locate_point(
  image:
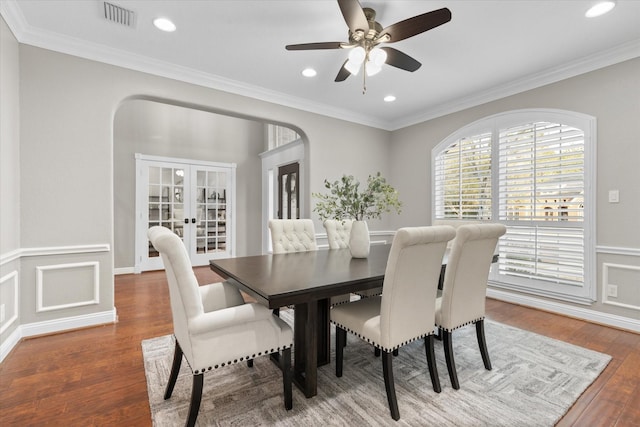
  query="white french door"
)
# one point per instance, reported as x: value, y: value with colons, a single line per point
x: 196, y: 200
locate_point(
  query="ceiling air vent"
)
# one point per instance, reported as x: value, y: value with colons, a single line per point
x: 119, y: 15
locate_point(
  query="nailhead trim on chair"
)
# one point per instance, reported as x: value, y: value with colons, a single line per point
x: 376, y: 345
x: 253, y: 356
x: 368, y: 296
x: 460, y: 326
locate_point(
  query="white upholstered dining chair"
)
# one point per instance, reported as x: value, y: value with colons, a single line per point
x: 338, y: 233
x: 292, y: 235
x: 405, y: 311
x: 212, y: 325
x: 465, y: 288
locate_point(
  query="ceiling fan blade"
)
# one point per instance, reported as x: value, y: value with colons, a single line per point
x: 354, y: 15
x: 314, y: 46
x: 400, y: 60
x: 342, y: 74
x: 416, y: 25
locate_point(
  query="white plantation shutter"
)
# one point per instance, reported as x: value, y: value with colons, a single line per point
x: 463, y: 179
x: 529, y: 170
x: 541, y: 199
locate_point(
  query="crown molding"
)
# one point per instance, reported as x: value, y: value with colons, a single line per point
x: 623, y: 52
x: 29, y: 35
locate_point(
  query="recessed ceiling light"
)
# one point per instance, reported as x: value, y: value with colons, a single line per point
x: 309, y: 72
x: 389, y: 98
x: 600, y: 8
x: 164, y: 24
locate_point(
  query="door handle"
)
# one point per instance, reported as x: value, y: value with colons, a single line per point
x: 186, y: 220
x: 193, y: 220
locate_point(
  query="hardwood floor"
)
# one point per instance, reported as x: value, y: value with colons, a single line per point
x: 95, y: 376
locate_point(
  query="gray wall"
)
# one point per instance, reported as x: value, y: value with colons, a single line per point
x: 9, y: 177
x: 9, y: 141
x: 612, y: 95
x: 152, y: 128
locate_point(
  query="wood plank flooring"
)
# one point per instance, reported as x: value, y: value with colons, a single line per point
x: 95, y: 376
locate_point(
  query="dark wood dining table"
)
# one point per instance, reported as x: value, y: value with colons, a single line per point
x: 307, y: 280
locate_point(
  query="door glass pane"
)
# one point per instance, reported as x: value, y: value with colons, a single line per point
x: 288, y: 197
x: 166, y: 200
x: 285, y: 197
x: 154, y: 175
x: 211, y: 208
x: 293, y: 194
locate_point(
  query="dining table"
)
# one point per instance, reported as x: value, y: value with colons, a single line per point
x: 307, y: 281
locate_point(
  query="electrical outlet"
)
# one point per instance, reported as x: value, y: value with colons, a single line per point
x: 1, y: 313
x: 612, y: 291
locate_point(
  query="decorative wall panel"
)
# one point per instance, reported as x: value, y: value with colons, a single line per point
x: 52, y: 286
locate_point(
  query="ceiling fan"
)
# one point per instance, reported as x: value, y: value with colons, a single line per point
x: 365, y: 36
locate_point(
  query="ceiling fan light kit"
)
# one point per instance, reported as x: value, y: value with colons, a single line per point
x: 600, y: 8
x: 366, y: 34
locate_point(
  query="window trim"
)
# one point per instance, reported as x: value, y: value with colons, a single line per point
x: 586, y: 294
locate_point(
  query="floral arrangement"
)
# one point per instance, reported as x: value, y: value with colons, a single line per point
x: 346, y: 199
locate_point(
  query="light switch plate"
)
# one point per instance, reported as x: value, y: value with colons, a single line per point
x: 614, y: 196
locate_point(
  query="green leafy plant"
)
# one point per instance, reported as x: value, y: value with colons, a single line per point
x: 346, y: 199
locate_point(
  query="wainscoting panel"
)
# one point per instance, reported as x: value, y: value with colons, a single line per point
x: 621, y: 283
x: 52, y: 286
x: 9, y: 309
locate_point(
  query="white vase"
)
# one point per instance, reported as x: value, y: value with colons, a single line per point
x: 359, y: 239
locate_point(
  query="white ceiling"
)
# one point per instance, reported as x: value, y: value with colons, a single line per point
x: 490, y: 49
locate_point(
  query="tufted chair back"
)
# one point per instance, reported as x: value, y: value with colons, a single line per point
x: 465, y: 280
x: 338, y: 232
x: 292, y: 235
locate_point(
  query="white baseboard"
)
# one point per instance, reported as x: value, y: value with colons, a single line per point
x: 124, y: 270
x: 67, y: 323
x: 8, y: 344
x: 567, y: 310
x: 57, y: 325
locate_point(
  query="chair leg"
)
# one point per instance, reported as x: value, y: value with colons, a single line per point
x: 250, y: 363
x: 376, y: 352
x: 431, y: 362
x: 389, y: 385
x: 287, y: 378
x: 341, y: 338
x: 196, y: 397
x: 482, y: 343
x: 395, y: 352
x: 448, y: 354
x: 175, y: 369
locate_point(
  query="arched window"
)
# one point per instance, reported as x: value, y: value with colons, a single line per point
x: 534, y: 171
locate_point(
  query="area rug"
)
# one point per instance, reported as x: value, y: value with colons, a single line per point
x: 534, y: 381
